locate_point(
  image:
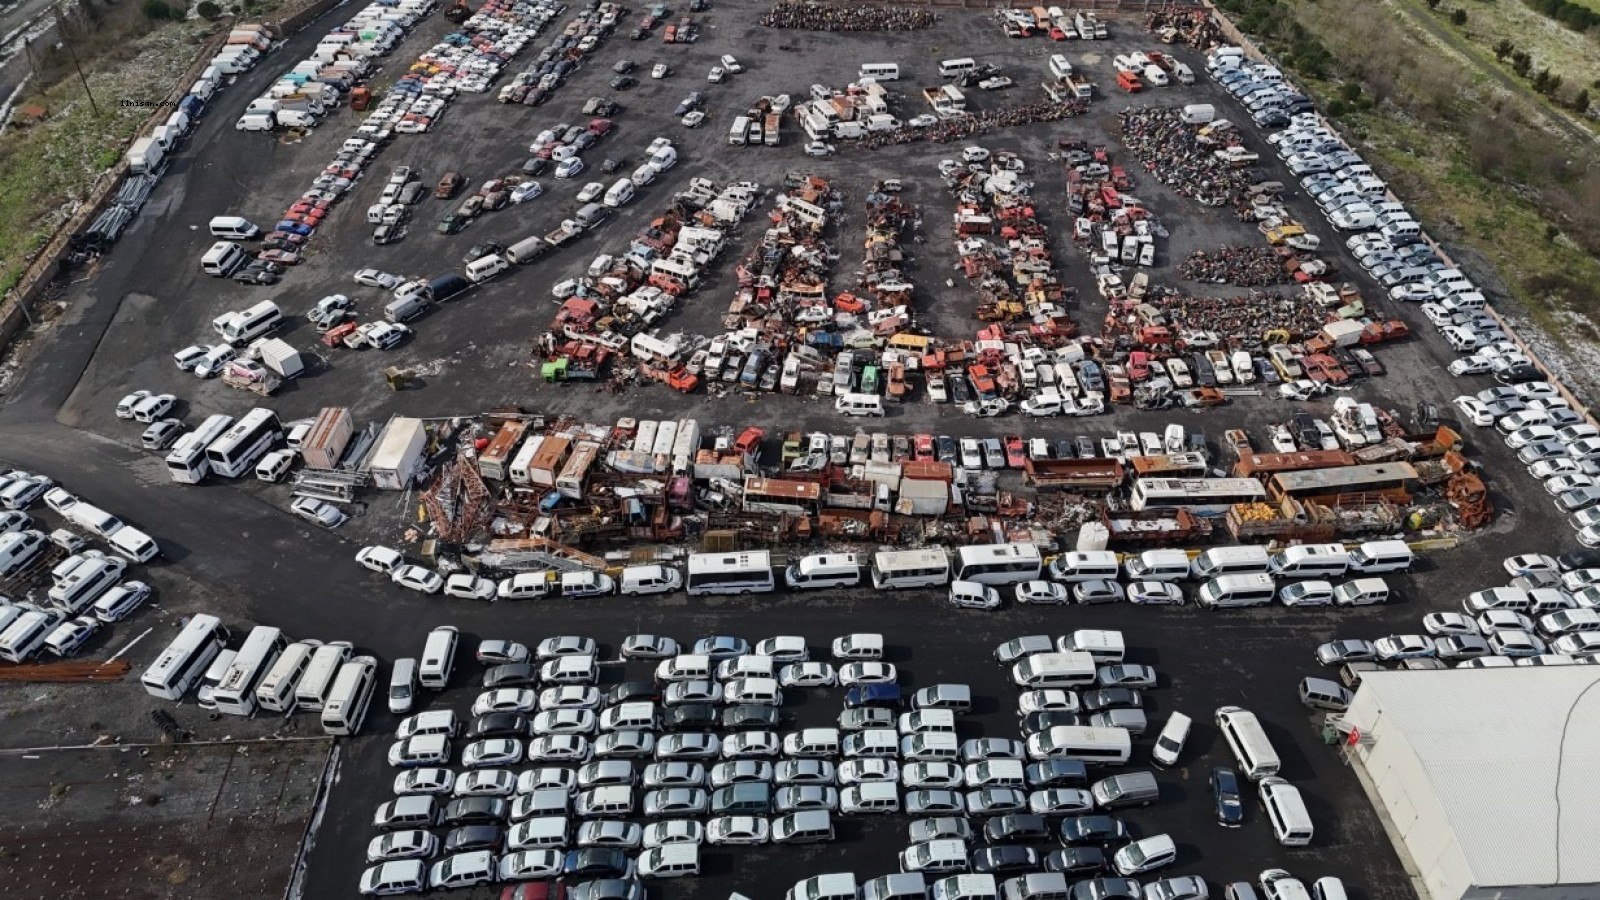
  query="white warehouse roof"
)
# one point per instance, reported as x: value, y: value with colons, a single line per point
x: 1502, y: 791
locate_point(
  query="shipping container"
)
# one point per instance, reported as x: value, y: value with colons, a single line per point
x: 399, y: 452
x: 546, y: 464
x: 325, y: 443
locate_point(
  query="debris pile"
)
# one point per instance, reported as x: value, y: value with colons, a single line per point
x: 828, y: 17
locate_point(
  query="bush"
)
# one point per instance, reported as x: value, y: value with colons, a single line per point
x: 1459, y: 17
x: 208, y: 10
x: 159, y: 11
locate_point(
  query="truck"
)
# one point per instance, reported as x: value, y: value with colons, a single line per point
x: 1153, y: 527
x: 1088, y: 475
x: 251, y: 376
x: 1284, y: 520
x: 769, y: 130
x: 145, y: 156
x: 566, y: 231
x: 1079, y: 86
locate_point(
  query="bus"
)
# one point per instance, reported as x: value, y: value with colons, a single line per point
x: 1392, y: 480
x: 347, y: 703
x: 236, y: 452
x: 1242, y: 730
x: 879, y: 71
x: 184, y: 662
x: 187, y: 462
x: 236, y: 695
x: 998, y: 563
x: 893, y: 569
x: 1201, y: 496
x: 312, y: 691
x: 749, y: 572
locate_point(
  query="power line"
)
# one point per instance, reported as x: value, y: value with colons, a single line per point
x: 1561, y: 760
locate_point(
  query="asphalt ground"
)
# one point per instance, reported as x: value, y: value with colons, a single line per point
x: 232, y: 548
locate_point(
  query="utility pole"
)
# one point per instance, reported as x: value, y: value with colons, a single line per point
x: 61, y: 31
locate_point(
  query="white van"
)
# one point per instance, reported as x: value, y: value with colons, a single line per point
x: 1053, y: 670
x: 872, y: 797
x: 670, y: 861
x: 93, y: 519
x: 739, y: 133
x: 637, y: 580
x: 243, y: 326
x: 570, y: 670
x: 1084, y: 566
x: 1236, y: 560
x: 809, y: 826
x: 487, y: 267
x: 1158, y: 565
x: 1361, y: 592
x: 1286, y: 810
x: 26, y: 634
x: 935, y: 857
x: 824, y: 570
x: 1382, y: 556
x: 439, y: 657
x: 619, y: 193
x: 1310, y: 561
x: 685, y: 667
x: 222, y: 259
x: 879, y: 71
x: 1104, y: 646
x: 1231, y: 591
x: 955, y: 68
x: 233, y: 228
x: 858, y: 405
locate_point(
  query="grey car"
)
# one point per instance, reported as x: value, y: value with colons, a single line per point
x: 804, y: 771
x: 796, y: 798
x: 941, y: 827
x: 674, y: 774
x: 675, y: 803
x: 1334, y: 653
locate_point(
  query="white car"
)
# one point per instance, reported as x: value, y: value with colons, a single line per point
x: 418, y: 578
x: 1048, y: 700
x: 126, y: 404
x: 514, y: 700
x: 1043, y: 592
x: 563, y: 721
x: 1476, y: 411
x: 591, y: 191
x: 188, y: 356
x: 1560, y: 484
x: 1525, y: 563
x: 570, y: 168
x: 115, y: 605
x: 1155, y: 593
x: 660, y: 70
x: 693, y: 118
x: 318, y: 512
x: 1403, y: 646
x: 1448, y: 623
x: 383, y: 560
x: 1515, y: 643
x: 673, y: 831
x: 738, y: 830
x: 465, y: 586
x: 378, y: 279
x: 1470, y: 365
x: 71, y: 634
x: 808, y: 675
x: 570, y: 696
x: 716, y: 75
x: 975, y: 154
x: 526, y: 191
x: 867, y: 673
x: 1503, y: 620
x: 819, y: 148
x: 926, y: 120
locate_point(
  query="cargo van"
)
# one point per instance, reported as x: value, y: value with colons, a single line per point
x: 404, y: 309
x: 858, y: 405
x: 93, y: 519
x: 1037, y: 886
x: 899, y: 886
x: 1084, y: 566
x: 1236, y: 560
x: 222, y: 259
x: 1569, y: 621
x: 527, y: 250
x: 957, y: 698
x: 1310, y: 561
x: 1361, y: 592
x: 824, y: 570
x: 410, y: 811
x: 966, y: 887
x: 233, y: 228
x: 636, y: 580
x: 570, y: 670
x: 1320, y: 693
x: 1286, y: 810
x: 485, y: 268
x: 1231, y: 591
x: 1382, y: 556
x: 241, y: 327
x: 611, y: 801
x: 832, y: 886
x: 930, y: 746
x: 937, y: 857
x: 1054, y: 670
x: 439, y: 657
x: 810, y: 826
x: 870, y: 798
x: 1125, y: 790
x: 1104, y: 646
x: 685, y: 667
x: 1158, y: 565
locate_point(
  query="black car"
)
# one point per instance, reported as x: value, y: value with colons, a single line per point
x: 592, y: 106
x: 1093, y: 830
x: 632, y: 690
x: 638, y: 34
x: 1306, y: 431
x: 622, y: 66
x: 259, y: 273
x: 536, y: 166
x: 1225, y: 796
x: 1579, y: 559
x: 1050, y: 773
x: 1044, y: 720
x: 960, y: 391
x: 748, y: 715
x: 480, y: 250
x: 474, y: 811
x: 608, y: 889
x: 452, y: 224
x: 1064, y: 449
x: 947, y: 451
x: 607, y: 108
x: 1016, y: 829
x: 1076, y: 861
x: 500, y: 724
x: 511, y: 675
x: 1112, y: 698
x: 1518, y: 374
x: 689, y: 717
x: 995, y: 860
x: 595, y: 862
x: 697, y: 5
x: 474, y: 837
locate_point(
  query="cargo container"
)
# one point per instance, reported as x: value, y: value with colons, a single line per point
x: 546, y: 464
x: 495, y: 463
x: 330, y: 433
x: 399, y: 452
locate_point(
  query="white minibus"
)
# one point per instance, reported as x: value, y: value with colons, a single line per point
x: 748, y: 572
x: 312, y: 689
x: 347, y: 703
x: 236, y: 695
x: 1242, y: 730
x: 276, y: 692
x: 895, y: 569
x: 998, y: 563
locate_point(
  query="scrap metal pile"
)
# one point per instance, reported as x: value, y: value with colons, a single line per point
x: 1242, y: 266
x: 1239, y: 322
x: 1195, y: 27
x: 784, y: 280
x: 1200, y: 167
x: 1014, y: 275
x: 829, y: 17
x: 964, y: 126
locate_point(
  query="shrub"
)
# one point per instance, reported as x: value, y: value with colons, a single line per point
x: 208, y: 10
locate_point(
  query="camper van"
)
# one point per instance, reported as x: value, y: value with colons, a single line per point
x: 222, y: 259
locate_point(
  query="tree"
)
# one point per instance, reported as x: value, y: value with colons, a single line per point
x: 1503, y: 49
x: 1541, y: 80
x: 1433, y: 4
x: 1520, y: 63
x: 1580, y: 103
x: 158, y: 11
x: 208, y: 10
x: 1458, y: 18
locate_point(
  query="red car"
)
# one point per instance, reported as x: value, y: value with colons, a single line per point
x: 283, y: 240
x: 1016, y: 454
x: 281, y: 257
x: 923, y: 451
x: 334, y: 337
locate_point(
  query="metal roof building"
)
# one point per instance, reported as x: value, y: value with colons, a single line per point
x: 1486, y: 779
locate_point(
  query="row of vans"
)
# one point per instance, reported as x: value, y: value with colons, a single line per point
x: 1234, y: 591
x: 1298, y: 561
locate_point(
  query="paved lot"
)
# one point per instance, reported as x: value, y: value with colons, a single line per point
x: 232, y: 549
x: 157, y: 822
